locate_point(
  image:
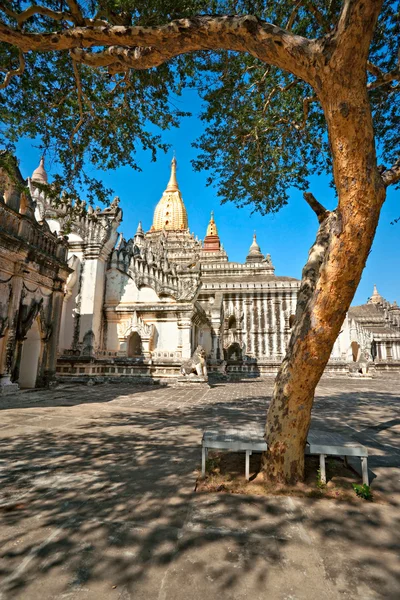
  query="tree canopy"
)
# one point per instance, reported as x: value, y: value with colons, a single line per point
x: 96, y: 81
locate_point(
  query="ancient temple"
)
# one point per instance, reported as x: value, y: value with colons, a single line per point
x: 33, y: 273
x: 370, y: 336
x: 139, y: 307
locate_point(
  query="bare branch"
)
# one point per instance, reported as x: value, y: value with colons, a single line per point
x: 14, y: 73
x: 355, y: 29
x: 293, y: 16
x: 384, y: 79
x: 319, y: 17
x: 306, y: 108
x: 119, y: 59
x: 319, y: 210
x: 278, y: 88
x: 41, y: 10
x: 76, y: 12
x: 373, y: 69
x: 265, y: 41
x: 392, y: 175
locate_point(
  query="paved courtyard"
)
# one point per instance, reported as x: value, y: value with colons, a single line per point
x: 97, y: 499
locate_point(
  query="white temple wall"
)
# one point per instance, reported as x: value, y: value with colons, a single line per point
x: 113, y: 344
x: 31, y: 351
x: 205, y: 340
x: 68, y: 318
x: 115, y: 283
x: 342, y: 346
x: 122, y: 289
x: 166, y: 336
x: 91, y: 299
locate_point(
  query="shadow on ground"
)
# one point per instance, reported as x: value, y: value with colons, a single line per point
x: 111, y: 503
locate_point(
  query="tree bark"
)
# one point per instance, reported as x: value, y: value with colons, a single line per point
x: 331, y: 275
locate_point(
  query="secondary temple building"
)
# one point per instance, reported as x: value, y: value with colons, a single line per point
x: 33, y: 273
x: 140, y: 307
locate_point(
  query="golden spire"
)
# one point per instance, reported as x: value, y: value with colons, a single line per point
x: 212, y: 228
x: 170, y: 213
x: 172, y: 183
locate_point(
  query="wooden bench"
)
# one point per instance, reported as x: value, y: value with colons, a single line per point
x: 250, y: 439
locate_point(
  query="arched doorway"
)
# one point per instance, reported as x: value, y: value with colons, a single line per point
x: 31, y: 348
x: 134, y: 345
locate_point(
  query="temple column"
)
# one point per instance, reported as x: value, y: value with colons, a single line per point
x: 91, y: 302
x: 271, y: 305
x: 50, y: 358
x: 278, y: 321
x: 247, y: 317
x: 185, y: 328
x: 10, y: 341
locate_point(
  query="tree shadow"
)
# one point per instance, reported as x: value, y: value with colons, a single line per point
x: 111, y: 503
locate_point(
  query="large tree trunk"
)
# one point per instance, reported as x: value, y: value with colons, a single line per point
x: 330, y: 277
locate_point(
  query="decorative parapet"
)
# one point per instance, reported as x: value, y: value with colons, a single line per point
x: 148, y: 264
x: 37, y: 235
x: 93, y: 228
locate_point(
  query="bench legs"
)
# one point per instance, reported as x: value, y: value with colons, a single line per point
x: 322, y: 470
x: 203, y: 461
x: 247, y: 465
x: 364, y: 468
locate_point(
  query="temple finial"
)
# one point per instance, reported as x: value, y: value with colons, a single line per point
x: 39, y: 174
x: 212, y: 227
x: 173, y: 184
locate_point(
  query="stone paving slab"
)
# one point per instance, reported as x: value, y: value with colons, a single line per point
x: 97, y: 499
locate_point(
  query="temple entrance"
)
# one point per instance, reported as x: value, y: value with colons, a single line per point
x: 134, y: 345
x: 28, y: 369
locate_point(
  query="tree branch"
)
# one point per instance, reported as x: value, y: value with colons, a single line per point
x: 319, y: 210
x: 293, y: 15
x: 14, y: 73
x: 76, y: 12
x: 384, y: 79
x: 119, y: 59
x: 319, y: 17
x: 355, y: 29
x: 265, y: 41
x: 392, y: 175
x: 41, y: 10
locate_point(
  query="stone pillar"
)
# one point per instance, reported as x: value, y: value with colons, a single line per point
x: 91, y: 301
x: 278, y: 322
x: 11, y: 345
x: 247, y: 312
x: 271, y: 310
x: 185, y: 327
x: 52, y: 344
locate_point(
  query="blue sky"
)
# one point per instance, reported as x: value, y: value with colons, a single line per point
x: 287, y: 235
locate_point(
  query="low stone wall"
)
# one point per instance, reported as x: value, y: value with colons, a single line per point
x: 114, y: 369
